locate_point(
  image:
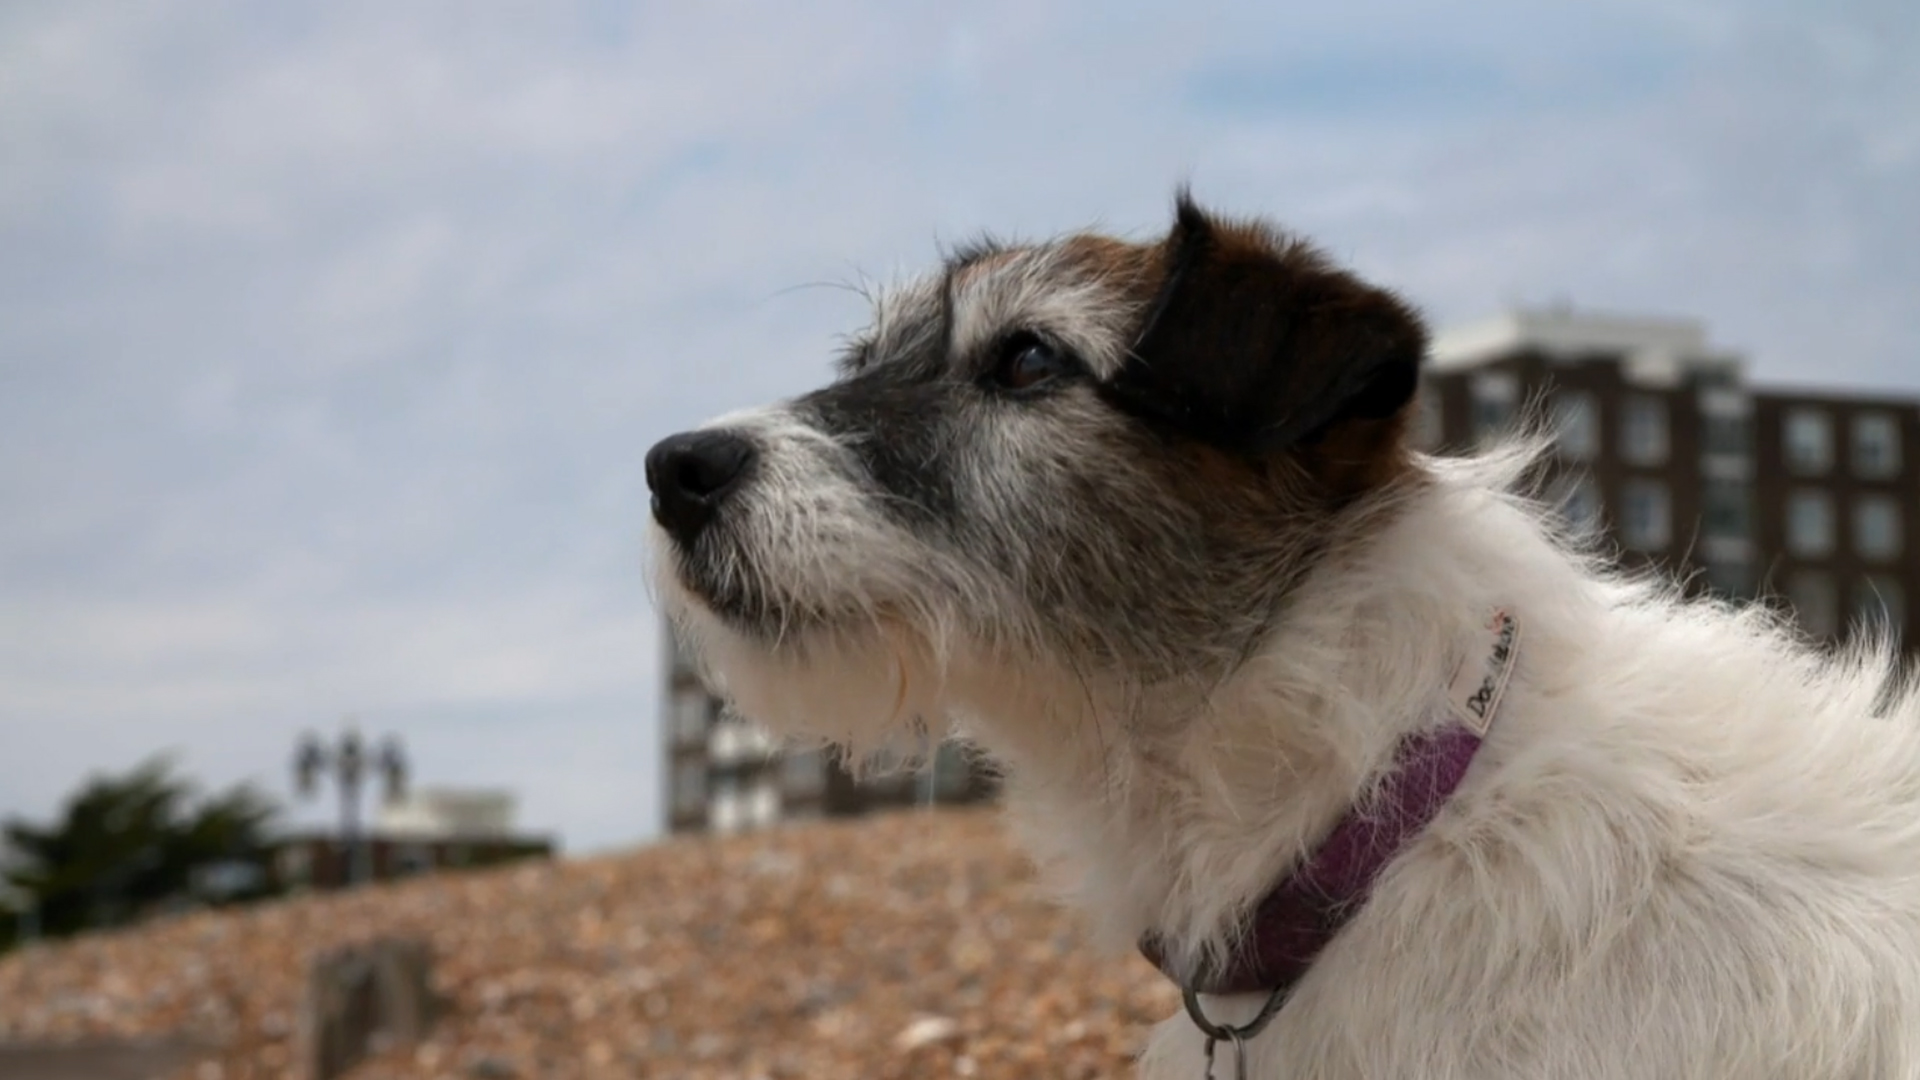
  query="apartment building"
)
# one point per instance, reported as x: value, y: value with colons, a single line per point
x: 1841, y: 508
x: 1807, y: 498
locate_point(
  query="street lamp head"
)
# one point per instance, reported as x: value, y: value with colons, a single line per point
x: 351, y: 757
x: 393, y: 764
x: 308, y: 759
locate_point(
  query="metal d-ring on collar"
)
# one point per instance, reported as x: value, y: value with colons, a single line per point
x: 1232, y: 1033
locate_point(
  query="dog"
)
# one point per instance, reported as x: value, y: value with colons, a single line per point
x: 1142, y: 521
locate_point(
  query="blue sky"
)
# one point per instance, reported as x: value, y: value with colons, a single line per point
x: 332, y: 334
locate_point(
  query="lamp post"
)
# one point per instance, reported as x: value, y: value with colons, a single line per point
x: 351, y: 764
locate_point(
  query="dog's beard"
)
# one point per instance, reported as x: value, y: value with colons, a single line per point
x: 866, y: 685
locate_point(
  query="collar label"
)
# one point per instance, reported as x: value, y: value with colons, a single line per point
x: 1480, y: 683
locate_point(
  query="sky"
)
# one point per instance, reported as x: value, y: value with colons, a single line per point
x: 332, y: 334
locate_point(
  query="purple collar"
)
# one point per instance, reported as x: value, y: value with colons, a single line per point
x: 1292, y: 924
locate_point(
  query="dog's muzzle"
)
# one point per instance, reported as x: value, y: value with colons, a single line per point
x: 692, y: 474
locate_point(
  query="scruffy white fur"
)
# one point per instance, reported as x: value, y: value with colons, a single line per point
x: 1689, y: 847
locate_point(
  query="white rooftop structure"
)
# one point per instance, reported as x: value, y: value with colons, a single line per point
x: 450, y: 812
x: 1654, y: 349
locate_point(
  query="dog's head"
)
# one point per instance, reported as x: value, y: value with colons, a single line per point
x: 1087, y: 459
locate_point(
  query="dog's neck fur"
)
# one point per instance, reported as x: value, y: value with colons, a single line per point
x: 1194, y: 817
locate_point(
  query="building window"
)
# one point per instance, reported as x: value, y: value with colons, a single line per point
x: 734, y: 741
x: 1809, y: 441
x: 1496, y: 400
x: 689, y: 787
x: 763, y: 804
x: 1878, y: 603
x: 1876, y: 528
x: 1645, y: 516
x: 1643, y: 430
x: 1876, y: 446
x: 1577, y: 424
x: 1727, y: 512
x: 1727, y: 423
x: 1579, y: 502
x: 726, y: 810
x: 1812, y: 596
x: 692, y: 711
x: 1810, y: 524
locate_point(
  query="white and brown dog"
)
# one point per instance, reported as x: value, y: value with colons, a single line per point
x: 1365, y: 754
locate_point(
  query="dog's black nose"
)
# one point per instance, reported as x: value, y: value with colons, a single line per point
x: 691, y: 474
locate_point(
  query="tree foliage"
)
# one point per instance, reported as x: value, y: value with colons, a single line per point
x: 128, y: 845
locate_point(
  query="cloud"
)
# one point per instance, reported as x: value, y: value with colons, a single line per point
x: 331, y: 335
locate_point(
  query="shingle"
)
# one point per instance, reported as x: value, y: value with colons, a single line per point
x: 904, y: 945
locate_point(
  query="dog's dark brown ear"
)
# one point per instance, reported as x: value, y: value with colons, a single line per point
x: 1256, y: 343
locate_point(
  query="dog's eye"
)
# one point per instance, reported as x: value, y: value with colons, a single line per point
x: 1026, y: 361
